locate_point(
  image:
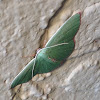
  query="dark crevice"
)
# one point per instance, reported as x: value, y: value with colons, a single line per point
x: 57, y: 12
x: 16, y: 92
x: 49, y: 21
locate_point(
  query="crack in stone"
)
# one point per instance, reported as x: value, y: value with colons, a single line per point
x: 84, y: 54
x: 52, y: 17
x: 18, y: 90
x: 57, y: 11
x: 93, y: 51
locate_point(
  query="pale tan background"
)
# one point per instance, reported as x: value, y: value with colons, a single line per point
x: 25, y: 25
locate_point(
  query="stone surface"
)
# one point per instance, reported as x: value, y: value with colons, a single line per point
x: 26, y: 25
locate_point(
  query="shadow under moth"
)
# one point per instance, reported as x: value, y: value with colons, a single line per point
x: 57, y: 49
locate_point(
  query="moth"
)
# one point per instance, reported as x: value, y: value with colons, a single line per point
x: 57, y: 49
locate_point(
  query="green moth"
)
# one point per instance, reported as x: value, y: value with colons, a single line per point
x: 57, y: 49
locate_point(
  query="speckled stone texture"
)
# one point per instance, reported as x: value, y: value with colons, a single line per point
x: 26, y: 25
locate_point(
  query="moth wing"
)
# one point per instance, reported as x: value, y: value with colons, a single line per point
x: 66, y: 32
x: 50, y: 59
x: 25, y: 75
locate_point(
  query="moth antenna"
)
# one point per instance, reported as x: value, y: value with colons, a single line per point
x: 42, y: 49
x: 35, y: 61
x: 33, y: 66
x: 54, y: 45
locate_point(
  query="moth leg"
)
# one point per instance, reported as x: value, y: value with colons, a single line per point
x: 29, y: 56
x: 33, y: 55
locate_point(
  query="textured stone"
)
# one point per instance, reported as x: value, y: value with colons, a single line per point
x: 47, y: 89
x: 44, y: 97
x: 22, y: 24
x: 40, y: 78
x: 21, y: 27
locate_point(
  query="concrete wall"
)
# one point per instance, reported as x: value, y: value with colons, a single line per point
x: 26, y: 25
